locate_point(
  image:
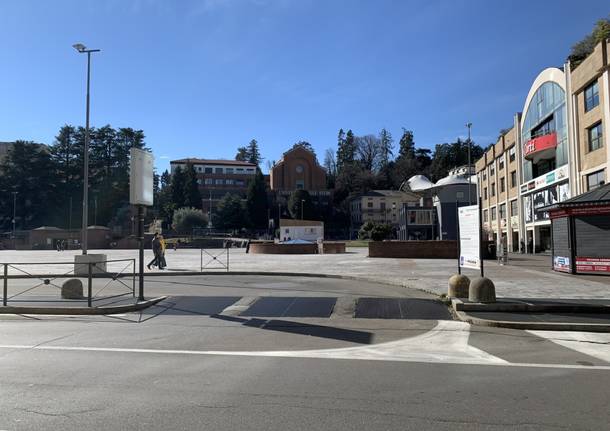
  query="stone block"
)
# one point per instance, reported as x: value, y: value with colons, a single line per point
x: 72, y: 288
x: 458, y: 286
x: 482, y: 290
x: 81, y: 261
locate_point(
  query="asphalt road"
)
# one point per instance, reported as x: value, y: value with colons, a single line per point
x: 202, y: 361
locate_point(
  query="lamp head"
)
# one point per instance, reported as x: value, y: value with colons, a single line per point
x: 79, y: 47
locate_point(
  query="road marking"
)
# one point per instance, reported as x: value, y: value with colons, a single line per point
x: 593, y: 344
x: 447, y: 343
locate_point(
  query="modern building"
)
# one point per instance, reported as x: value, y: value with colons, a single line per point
x: 380, y: 206
x: 556, y: 149
x: 439, y: 204
x: 298, y: 169
x: 216, y: 178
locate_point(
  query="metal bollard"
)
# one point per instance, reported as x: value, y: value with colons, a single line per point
x: 5, y: 289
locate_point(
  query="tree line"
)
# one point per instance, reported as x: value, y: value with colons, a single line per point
x: 48, y: 180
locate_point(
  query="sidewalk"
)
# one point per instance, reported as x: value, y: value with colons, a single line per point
x: 524, y: 277
x: 537, y: 314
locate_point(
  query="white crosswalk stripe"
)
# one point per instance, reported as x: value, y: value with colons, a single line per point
x: 593, y: 344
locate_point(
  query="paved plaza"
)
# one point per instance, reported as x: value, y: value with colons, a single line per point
x: 524, y: 276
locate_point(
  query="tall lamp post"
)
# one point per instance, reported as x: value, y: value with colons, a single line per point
x: 302, y: 203
x: 83, y: 50
x: 14, y: 216
x: 469, y: 125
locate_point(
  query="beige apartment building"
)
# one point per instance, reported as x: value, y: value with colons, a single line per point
x: 556, y: 149
x: 380, y: 206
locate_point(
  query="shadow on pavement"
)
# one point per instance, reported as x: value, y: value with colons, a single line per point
x: 352, y: 336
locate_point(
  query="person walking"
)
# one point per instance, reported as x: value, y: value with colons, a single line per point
x: 156, y: 248
x: 162, y: 262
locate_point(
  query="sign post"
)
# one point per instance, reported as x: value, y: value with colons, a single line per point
x: 141, y: 194
x: 470, y: 245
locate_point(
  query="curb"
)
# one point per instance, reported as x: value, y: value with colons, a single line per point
x: 82, y: 311
x: 539, y: 326
x: 524, y: 307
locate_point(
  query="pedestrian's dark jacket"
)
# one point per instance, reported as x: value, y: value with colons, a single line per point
x: 156, y: 245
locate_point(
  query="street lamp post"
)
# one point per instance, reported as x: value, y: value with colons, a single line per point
x: 83, y: 50
x: 14, y: 216
x: 469, y: 125
x: 302, y: 203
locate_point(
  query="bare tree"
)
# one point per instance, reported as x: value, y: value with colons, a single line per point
x: 368, y: 148
x: 330, y: 164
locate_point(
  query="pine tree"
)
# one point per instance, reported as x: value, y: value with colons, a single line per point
x: 406, y: 145
x: 242, y: 154
x: 254, y: 154
x: 385, y: 148
x: 178, y: 186
x: 192, y: 196
x: 256, y: 201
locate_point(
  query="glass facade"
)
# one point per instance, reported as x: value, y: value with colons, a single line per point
x: 546, y: 114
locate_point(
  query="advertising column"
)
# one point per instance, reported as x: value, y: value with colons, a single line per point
x: 470, y: 237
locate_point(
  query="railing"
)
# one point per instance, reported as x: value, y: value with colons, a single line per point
x: 209, y: 260
x: 99, y: 283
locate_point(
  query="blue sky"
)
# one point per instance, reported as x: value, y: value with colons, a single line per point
x: 203, y: 77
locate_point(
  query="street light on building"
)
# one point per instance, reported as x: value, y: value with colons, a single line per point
x: 83, y: 50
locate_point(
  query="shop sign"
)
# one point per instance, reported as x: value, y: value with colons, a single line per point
x: 583, y: 211
x: 561, y: 263
x: 546, y: 180
x: 470, y: 240
x: 514, y: 222
x: 592, y: 264
x: 540, y: 144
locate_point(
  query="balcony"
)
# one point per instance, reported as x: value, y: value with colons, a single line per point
x: 541, y: 147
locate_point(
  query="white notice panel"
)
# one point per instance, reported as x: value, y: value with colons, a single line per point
x: 141, y: 178
x: 469, y: 237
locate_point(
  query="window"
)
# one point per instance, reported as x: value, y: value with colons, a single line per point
x: 199, y: 169
x: 591, y: 96
x: 300, y: 184
x: 514, y: 210
x: 492, y: 170
x: 512, y: 154
x: 484, y: 175
x: 459, y: 195
x: 595, y: 137
x: 503, y: 212
x: 208, y: 181
x: 239, y: 182
x: 218, y: 170
x: 493, y: 213
x: 493, y: 189
x: 219, y: 181
x: 369, y: 204
x: 208, y: 170
x: 502, y: 188
x: 595, y: 180
x: 239, y: 170
x: 513, y: 179
x: 382, y: 206
x: 229, y: 182
x: 485, y: 193
x: 228, y: 170
x: 501, y: 163
x: 485, y: 215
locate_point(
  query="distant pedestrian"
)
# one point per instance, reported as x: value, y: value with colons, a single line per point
x: 156, y: 249
x: 162, y: 262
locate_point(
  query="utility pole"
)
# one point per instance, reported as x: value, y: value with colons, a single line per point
x: 14, y: 217
x: 83, y: 50
x: 469, y: 125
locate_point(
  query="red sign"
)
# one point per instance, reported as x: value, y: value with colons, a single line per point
x: 539, y: 144
x: 592, y: 264
x: 582, y: 211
